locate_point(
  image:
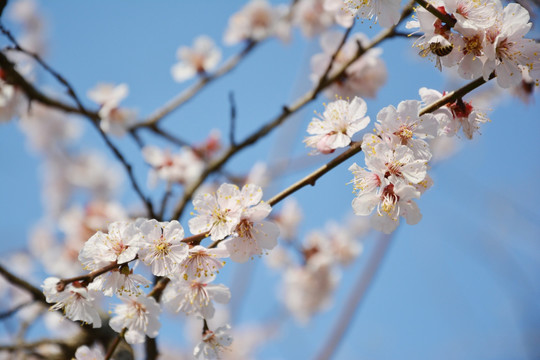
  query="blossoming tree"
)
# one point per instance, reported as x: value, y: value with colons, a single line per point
x: 117, y: 274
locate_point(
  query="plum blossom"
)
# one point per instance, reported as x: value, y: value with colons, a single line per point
x: 252, y: 234
x: 362, y: 78
x: 161, y: 246
x: 121, y: 281
x: 455, y: 115
x: 86, y: 353
x: 404, y: 126
x: 385, y: 12
x: 289, y: 218
x: 507, y: 49
x: 183, y: 167
x: 11, y: 100
x: 194, y: 297
x: 397, y: 164
x: 114, y: 120
x: 312, y: 17
x: 139, y: 314
x: 213, y: 343
x: 203, y: 57
x: 202, y: 264
x: 119, y: 245
x: 257, y: 21
x: 391, y: 201
x: 336, y: 126
x: 218, y: 213
x: 308, y: 289
x: 75, y: 300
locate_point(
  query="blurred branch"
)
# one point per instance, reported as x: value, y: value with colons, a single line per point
x: 14, y: 310
x: 337, y: 334
x: 188, y: 94
x: 115, y: 343
x: 50, y: 70
x: 232, y: 129
x: 15, y: 78
x: 20, y: 283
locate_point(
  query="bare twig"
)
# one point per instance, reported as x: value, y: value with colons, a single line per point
x: 15, y: 78
x: 324, y: 77
x: 188, y: 94
x: 88, y: 278
x: 115, y: 343
x: 454, y: 95
x: 232, y: 129
x: 15, y: 309
x: 70, y: 90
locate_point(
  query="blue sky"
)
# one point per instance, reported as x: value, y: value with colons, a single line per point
x: 462, y: 284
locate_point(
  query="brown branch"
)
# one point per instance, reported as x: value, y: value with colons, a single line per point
x: 324, y: 76
x: 311, y: 179
x: 355, y: 298
x: 20, y: 283
x: 445, y: 18
x: 188, y: 94
x: 88, y: 278
x: 15, y: 78
x: 454, y: 95
x: 115, y: 343
x: 15, y: 309
x: 70, y: 90
x: 285, y: 113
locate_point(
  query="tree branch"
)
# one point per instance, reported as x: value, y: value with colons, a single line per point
x: 188, y: 94
x: 285, y: 113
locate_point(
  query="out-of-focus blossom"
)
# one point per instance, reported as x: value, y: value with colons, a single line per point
x: 257, y: 21
x: 200, y: 59
x: 140, y: 315
x: 363, y: 78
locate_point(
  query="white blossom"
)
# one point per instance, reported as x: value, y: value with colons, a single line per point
x: 203, y: 57
x: 161, y: 246
x: 120, y: 244
x: 252, y: 234
x: 213, y: 343
x: 256, y: 21
x: 218, y: 213
x: 139, y: 314
x: 202, y: 264
x: 336, y: 126
x: 194, y: 297
x: 75, y: 301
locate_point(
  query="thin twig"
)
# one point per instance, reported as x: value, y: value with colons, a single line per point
x: 324, y: 77
x: 355, y: 298
x: 15, y: 78
x: 14, y: 310
x: 115, y: 343
x: 188, y: 94
x: 20, y: 283
x: 88, y: 278
x: 447, y: 19
x: 232, y: 129
x: 70, y: 90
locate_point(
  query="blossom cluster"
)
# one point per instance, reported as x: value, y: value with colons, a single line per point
x: 486, y: 39
x: 233, y: 217
x: 396, y: 154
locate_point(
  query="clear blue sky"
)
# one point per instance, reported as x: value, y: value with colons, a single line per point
x: 462, y: 284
